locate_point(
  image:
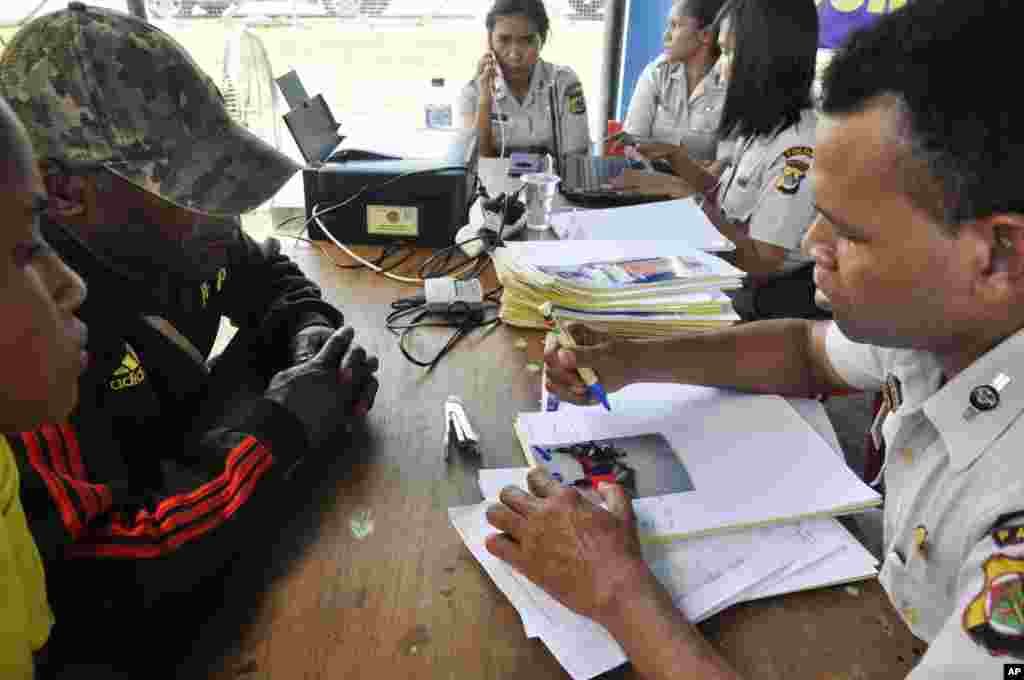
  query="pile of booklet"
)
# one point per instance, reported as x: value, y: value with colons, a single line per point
x: 626, y: 288
x: 726, y: 514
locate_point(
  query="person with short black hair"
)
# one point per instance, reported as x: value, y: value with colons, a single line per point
x: 918, y: 248
x: 678, y: 98
x: 762, y: 201
x: 509, y: 100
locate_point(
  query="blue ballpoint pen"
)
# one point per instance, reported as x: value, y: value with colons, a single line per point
x: 594, y: 386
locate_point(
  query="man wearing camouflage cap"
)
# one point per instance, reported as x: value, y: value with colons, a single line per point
x: 169, y: 466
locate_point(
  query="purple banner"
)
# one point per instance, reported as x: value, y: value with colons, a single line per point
x: 837, y: 18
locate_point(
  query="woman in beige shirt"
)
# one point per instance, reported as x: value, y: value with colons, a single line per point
x: 679, y: 96
x: 509, y: 101
x: 760, y: 196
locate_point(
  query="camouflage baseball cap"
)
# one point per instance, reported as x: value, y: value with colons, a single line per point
x: 98, y: 86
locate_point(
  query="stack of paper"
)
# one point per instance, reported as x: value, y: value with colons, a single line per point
x: 727, y: 514
x: 703, y: 575
x: 627, y: 288
x: 703, y: 460
x: 679, y: 220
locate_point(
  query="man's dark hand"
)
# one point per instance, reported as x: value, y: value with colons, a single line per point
x: 307, y: 342
x: 587, y: 558
x: 330, y: 390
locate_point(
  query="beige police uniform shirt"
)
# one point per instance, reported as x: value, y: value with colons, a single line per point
x: 953, y: 520
x: 528, y: 122
x: 664, y: 109
x: 767, y: 186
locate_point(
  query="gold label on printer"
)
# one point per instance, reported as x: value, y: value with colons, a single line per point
x: 392, y: 220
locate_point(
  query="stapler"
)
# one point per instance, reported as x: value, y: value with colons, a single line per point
x: 455, y: 421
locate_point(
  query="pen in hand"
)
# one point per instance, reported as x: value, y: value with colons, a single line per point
x: 594, y: 386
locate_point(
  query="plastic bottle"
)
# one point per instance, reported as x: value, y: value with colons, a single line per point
x: 438, y: 106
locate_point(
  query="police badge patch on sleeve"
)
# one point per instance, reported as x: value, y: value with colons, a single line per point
x: 574, y: 100
x: 1009, y: 530
x: 795, y: 169
x: 995, y: 618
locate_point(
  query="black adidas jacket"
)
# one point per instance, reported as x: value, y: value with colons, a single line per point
x: 164, y: 472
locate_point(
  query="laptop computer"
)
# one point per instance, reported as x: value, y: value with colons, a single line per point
x: 585, y: 178
x: 314, y: 128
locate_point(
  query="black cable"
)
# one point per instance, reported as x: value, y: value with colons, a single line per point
x: 458, y: 316
x: 482, y: 259
x: 387, y: 251
x: 439, y: 264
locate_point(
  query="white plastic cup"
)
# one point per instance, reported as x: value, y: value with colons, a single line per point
x: 540, y: 188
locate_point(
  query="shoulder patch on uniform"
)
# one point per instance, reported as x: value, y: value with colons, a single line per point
x: 995, y: 618
x: 1009, y: 530
x: 792, y: 176
x: 798, y: 151
x: 574, y: 100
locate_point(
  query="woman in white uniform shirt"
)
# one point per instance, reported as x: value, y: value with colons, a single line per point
x: 763, y: 201
x: 518, y: 115
x: 678, y: 98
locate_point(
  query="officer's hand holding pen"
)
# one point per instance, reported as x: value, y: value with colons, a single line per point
x: 607, y: 356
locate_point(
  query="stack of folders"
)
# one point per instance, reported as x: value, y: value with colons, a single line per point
x: 636, y: 289
x: 725, y: 515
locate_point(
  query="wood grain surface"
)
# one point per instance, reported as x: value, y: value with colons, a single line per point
x: 371, y: 581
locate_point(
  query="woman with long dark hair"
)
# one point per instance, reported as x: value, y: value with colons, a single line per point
x: 762, y: 200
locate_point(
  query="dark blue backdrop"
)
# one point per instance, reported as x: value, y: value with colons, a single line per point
x: 645, y: 26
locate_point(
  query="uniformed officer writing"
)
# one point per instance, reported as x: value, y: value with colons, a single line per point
x: 919, y: 248
x: 510, y: 100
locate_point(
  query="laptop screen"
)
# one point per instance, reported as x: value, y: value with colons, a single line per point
x: 314, y: 129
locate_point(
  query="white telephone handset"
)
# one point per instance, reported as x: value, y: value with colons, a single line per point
x: 500, y: 86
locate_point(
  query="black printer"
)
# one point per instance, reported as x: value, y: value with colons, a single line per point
x: 425, y: 201
x: 362, y: 197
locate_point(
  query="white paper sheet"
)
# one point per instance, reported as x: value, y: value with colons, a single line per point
x: 567, y: 253
x: 716, y: 568
x: 853, y: 562
x: 811, y: 410
x: 679, y: 220
x: 471, y: 523
x: 771, y: 469
x: 493, y: 480
x: 703, y: 575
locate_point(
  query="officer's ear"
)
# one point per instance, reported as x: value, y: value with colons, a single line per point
x: 999, y: 244
x: 69, y: 192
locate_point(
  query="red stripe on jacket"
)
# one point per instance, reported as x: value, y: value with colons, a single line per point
x: 218, y: 500
x: 68, y: 512
x: 101, y: 491
x: 69, y: 466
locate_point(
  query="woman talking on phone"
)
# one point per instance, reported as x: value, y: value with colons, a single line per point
x: 509, y: 100
x: 678, y: 97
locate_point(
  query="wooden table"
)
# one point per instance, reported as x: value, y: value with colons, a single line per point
x: 407, y: 600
